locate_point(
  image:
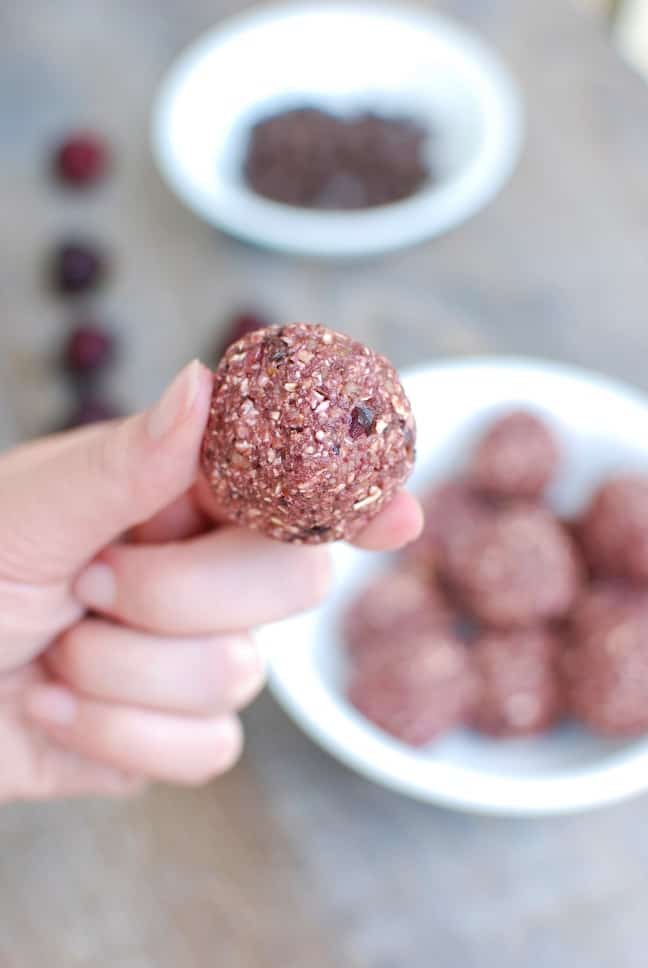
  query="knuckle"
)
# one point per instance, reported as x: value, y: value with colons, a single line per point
x: 67, y: 654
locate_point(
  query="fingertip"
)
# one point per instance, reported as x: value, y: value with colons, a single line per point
x: 225, y: 752
x: 316, y: 573
x: 417, y: 518
x: 399, y: 523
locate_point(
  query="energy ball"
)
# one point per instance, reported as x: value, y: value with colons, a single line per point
x: 614, y: 529
x: 309, y: 434
x: 519, y: 690
x: 606, y: 662
x: 516, y: 458
x: 419, y: 692
x: 394, y: 605
x: 452, y: 512
x: 519, y: 567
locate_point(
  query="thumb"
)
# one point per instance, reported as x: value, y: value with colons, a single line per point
x: 66, y: 502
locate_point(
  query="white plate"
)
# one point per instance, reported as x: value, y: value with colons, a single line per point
x: 604, y: 428
x: 342, y: 57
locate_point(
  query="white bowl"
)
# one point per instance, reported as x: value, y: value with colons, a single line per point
x: 343, y: 57
x: 604, y: 428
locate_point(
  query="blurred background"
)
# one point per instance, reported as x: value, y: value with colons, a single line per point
x: 292, y: 860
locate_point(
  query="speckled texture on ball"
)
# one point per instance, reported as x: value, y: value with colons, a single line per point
x: 520, y: 567
x: 614, y: 529
x: 516, y: 458
x: 452, y: 511
x: 396, y: 604
x: 309, y: 434
x: 519, y: 690
x: 606, y: 662
x: 418, y: 691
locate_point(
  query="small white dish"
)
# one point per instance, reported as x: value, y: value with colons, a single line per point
x: 603, y: 426
x: 342, y: 57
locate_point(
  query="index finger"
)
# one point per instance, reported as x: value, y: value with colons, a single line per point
x: 397, y: 524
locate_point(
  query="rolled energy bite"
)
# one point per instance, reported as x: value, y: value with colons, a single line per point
x: 606, y: 662
x: 614, y: 529
x: 310, y: 434
x: 396, y: 604
x: 418, y: 691
x: 519, y: 568
x: 453, y: 510
x: 519, y: 688
x: 516, y: 458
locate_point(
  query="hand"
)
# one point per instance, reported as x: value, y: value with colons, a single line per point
x: 124, y: 610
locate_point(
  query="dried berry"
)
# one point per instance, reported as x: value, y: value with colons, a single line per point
x: 362, y: 421
x: 89, y: 348
x: 81, y: 160
x: 238, y: 327
x: 275, y: 349
x: 77, y: 267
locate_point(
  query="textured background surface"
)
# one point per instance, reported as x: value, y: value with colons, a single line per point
x: 291, y: 860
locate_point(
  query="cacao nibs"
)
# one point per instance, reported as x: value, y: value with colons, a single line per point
x: 312, y: 159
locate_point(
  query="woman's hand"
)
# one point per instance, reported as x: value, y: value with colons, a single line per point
x: 125, y: 609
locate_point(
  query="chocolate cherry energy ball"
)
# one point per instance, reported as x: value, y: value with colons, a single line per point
x: 452, y: 510
x: 519, y: 689
x: 606, y: 661
x: 519, y: 567
x: 614, y: 529
x: 310, y: 434
x: 395, y: 605
x: 418, y: 691
x: 516, y: 458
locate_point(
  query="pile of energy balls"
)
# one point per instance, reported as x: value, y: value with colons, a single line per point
x: 503, y: 618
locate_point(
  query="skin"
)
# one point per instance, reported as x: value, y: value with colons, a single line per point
x: 125, y: 605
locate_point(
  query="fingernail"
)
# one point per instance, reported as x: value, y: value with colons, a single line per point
x: 52, y: 704
x: 95, y: 587
x: 175, y: 402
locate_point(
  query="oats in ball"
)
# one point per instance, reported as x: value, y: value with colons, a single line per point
x: 606, y: 661
x: 519, y: 568
x: 310, y: 434
x: 517, y: 457
x: 614, y: 529
x: 401, y: 602
x: 519, y: 689
x: 418, y: 691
